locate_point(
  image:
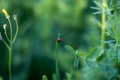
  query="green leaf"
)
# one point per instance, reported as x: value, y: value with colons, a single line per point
x: 92, y: 53
x: 99, y: 12
x: 109, y: 41
x: 88, y: 63
x: 1, y: 78
x: 76, y: 52
x: 81, y: 54
x: 44, y: 77
x: 68, y: 76
x: 115, y: 47
x: 98, y: 4
x: 110, y: 51
x: 102, y: 68
x: 96, y: 8
x: 76, y: 62
x: 111, y: 70
x: 70, y: 49
x: 101, y: 56
x: 110, y: 32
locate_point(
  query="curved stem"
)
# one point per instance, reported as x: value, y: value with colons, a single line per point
x: 16, y: 31
x: 10, y: 30
x: 7, y: 36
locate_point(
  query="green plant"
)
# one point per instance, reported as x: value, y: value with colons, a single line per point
x: 1, y: 78
x: 56, y: 57
x: 105, y: 56
x: 10, y: 38
x: 56, y: 76
x: 44, y: 77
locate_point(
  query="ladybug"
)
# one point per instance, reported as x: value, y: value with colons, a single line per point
x: 58, y: 40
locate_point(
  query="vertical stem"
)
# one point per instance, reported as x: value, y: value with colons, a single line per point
x: 10, y: 51
x: 10, y: 62
x: 56, y: 62
x: 103, y: 27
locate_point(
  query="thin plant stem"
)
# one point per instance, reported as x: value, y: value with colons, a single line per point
x: 10, y: 62
x: 103, y: 27
x: 16, y: 33
x: 10, y: 58
x: 10, y: 30
x: 6, y: 36
x: 10, y: 52
x: 56, y: 62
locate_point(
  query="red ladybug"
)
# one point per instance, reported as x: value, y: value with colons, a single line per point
x: 58, y: 40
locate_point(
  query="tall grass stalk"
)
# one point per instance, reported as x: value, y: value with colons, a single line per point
x: 103, y: 27
x: 56, y: 57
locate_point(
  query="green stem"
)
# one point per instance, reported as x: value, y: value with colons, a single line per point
x: 103, y: 28
x: 10, y: 30
x: 10, y: 62
x: 16, y: 31
x: 7, y: 36
x: 10, y: 58
x: 10, y: 51
x: 56, y: 62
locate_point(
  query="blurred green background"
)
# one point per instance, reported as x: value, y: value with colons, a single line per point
x: 39, y: 23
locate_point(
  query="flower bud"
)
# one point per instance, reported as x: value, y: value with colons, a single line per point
x: 4, y: 26
x: 5, y: 13
x: 15, y: 17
